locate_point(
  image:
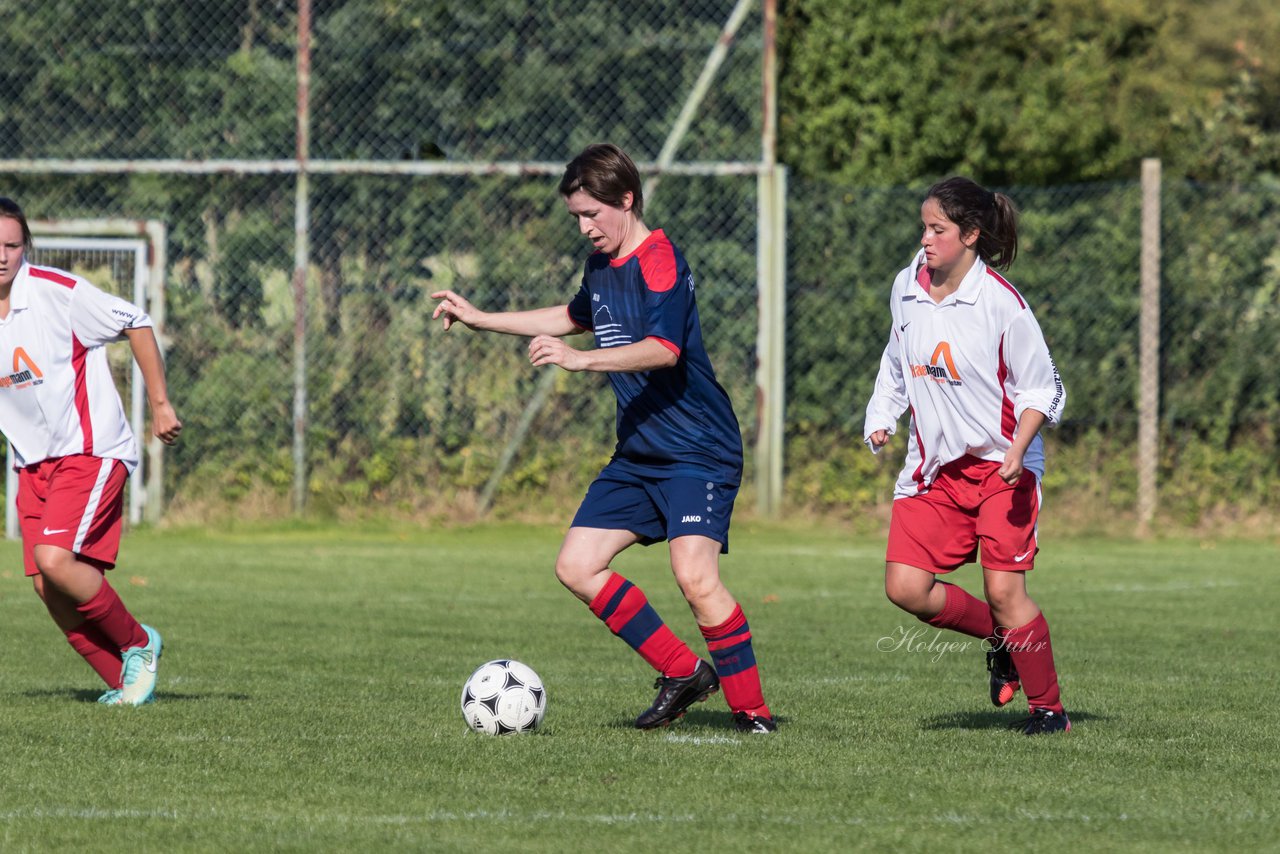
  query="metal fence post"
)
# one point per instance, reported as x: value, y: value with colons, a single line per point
x: 771, y: 338
x: 301, y: 260
x: 158, y: 236
x: 771, y: 272
x: 1149, y: 348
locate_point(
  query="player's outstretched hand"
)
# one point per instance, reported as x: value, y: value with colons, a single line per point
x: 454, y: 308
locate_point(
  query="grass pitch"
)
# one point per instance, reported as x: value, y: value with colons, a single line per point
x: 309, y: 701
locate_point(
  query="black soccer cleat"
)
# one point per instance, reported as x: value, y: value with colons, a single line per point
x: 1043, y: 721
x: 1004, y: 676
x: 676, y: 694
x: 755, y: 724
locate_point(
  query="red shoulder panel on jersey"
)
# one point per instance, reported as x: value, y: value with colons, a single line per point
x: 41, y: 273
x: 1002, y: 280
x: 658, y: 263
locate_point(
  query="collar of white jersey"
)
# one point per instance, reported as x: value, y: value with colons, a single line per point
x: 968, y: 292
x: 18, y: 293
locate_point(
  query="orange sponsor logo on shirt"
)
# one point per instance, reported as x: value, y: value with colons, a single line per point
x: 941, y: 367
x: 25, y: 371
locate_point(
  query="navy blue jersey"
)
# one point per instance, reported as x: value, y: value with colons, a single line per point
x: 672, y: 422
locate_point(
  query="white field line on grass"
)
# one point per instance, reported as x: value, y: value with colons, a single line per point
x: 703, y: 739
x: 1164, y: 587
x: 950, y: 818
x: 90, y: 814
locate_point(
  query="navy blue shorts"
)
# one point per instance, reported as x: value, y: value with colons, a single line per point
x: 658, y: 509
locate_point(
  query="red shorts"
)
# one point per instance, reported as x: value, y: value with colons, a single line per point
x: 74, y: 503
x: 967, y: 504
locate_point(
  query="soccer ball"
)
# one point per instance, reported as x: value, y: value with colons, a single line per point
x: 503, y: 697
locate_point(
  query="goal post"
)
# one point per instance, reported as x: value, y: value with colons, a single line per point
x: 125, y: 257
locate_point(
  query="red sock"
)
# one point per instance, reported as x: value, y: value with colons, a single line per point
x: 103, y: 656
x: 735, y: 661
x: 1033, y: 656
x: 626, y: 611
x: 112, y: 618
x: 964, y: 613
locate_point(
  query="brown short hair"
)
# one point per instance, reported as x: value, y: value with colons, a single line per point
x: 606, y: 174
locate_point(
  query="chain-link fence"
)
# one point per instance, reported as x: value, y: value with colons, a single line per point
x: 185, y: 113
x: 1078, y: 267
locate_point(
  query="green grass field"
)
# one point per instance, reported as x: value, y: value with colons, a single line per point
x: 309, y: 701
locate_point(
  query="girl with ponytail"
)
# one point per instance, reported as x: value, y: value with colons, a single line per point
x: 967, y: 356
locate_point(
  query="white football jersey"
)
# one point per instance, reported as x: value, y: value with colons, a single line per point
x: 58, y: 398
x: 967, y: 368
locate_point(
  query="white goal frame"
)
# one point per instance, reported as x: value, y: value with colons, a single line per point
x: 146, y: 242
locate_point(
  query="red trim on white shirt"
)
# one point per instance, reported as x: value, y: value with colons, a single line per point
x: 41, y: 273
x: 918, y: 474
x: 1001, y: 279
x: 78, y: 353
x: 1007, y: 422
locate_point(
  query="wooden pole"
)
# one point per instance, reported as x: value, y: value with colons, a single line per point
x: 1149, y: 349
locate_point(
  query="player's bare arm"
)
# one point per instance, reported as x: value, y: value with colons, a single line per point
x: 146, y: 352
x: 1028, y: 426
x: 553, y: 320
x: 646, y: 355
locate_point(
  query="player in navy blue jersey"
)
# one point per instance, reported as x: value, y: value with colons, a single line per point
x: 678, y: 462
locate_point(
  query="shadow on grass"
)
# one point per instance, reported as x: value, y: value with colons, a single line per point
x: 993, y: 719
x: 718, y: 719
x: 80, y: 695
x: 695, y: 718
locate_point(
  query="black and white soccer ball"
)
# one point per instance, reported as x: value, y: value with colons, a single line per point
x: 503, y: 697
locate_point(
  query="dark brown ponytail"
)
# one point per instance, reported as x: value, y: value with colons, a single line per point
x: 993, y: 215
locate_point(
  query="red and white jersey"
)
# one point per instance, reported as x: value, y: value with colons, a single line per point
x: 57, y: 397
x: 967, y: 368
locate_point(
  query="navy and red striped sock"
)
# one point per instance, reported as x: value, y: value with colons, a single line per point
x: 625, y: 609
x: 735, y: 662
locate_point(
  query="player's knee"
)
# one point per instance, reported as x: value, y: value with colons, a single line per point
x: 53, y: 562
x: 1004, y: 599
x: 908, y: 597
x: 575, y: 574
x: 698, y: 575
x: 698, y: 587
